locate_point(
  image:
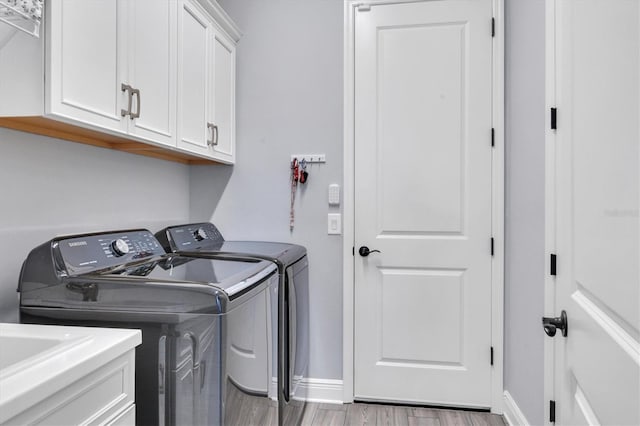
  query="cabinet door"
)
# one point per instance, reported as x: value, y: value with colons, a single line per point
x: 84, y: 62
x: 224, y: 89
x: 152, y: 68
x: 194, y: 78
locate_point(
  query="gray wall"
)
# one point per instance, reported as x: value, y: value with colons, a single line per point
x: 524, y: 260
x: 289, y: 101
x: 51, y: 187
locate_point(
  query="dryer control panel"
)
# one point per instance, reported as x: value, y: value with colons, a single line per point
x: 93, y: 252
x: 191, y: 237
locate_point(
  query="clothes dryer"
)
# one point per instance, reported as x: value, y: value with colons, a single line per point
x: 292, y: 356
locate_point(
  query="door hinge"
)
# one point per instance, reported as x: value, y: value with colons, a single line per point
x: 552, y: 264
x: 493, y: 137
x: 353, y: 251
x: 552, y: 411
x: 364, y: 7
x: 493, y: 27
x: 491, y: 246
x: 554, y: 118
x: 491, y: 355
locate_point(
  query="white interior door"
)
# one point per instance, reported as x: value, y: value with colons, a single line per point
x: 598, y: 231
x: 423, y: 198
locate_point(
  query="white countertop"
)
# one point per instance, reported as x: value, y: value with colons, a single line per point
x: 36, y: 361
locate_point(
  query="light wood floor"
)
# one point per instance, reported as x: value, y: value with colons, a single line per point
x: 251, y: 410
x: 390, y: 415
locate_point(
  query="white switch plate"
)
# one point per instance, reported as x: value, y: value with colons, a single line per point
x: 334, y: 194
x: 334, y: 224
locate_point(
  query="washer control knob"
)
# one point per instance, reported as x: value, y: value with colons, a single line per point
x: 200, y: 234
x: 119, y: 247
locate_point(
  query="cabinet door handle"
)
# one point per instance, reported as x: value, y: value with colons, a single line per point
x: 137, y: 113
x: 126, y: 88
x: 214, y: 130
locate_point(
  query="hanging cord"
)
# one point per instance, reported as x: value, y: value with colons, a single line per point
x: 295, y: 175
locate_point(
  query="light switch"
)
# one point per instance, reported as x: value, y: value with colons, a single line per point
x: 334, y: 194
x: 334, y: 224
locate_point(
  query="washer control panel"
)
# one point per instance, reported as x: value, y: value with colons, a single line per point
x: 119, y: 247
x: 93, y: 252
x: 195, y: 236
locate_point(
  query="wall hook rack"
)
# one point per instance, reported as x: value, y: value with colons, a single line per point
x: 310, y: 158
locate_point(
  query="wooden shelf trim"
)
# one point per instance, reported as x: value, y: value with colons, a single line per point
x: 61, y: 130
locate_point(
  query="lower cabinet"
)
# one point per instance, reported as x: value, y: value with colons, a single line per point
x: 104, y: 396
x: 126, y: 418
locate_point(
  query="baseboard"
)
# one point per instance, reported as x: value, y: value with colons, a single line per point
x: 322, y: 390
x: 512, y: 413
x: 329, y: 391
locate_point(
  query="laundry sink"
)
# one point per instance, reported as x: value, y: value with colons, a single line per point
x: 23, y: 345
x: 23, y: 348
x: 38, y: 362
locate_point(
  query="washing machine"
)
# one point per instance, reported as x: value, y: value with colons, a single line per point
x: 206, y: 350
x: 292, y: 321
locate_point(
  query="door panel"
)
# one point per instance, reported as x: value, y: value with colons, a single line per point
x: 423, y: 198
x: 598, y: 220
x: 428, y: 114
x: 194, y: 78
x: 87, y: 90
x: 430, y: 298
x: 152, y: 68
x: 224, y: 97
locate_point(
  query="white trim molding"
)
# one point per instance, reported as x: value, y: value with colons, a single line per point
x: 497, y: 210
x: 497, y: 220
x: 327, y: 391
x: 348, y: 223
x: 549, y: 199
x: 512, y: 413
x: 222, y: 18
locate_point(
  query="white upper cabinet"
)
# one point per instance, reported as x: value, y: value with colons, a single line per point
x: 206, y: 85
x: 152, y: 58
x: 109, y: 59
x: 194, y: 82
x: 224, y: 119
x: 154, y: 77
x: 85, y: 62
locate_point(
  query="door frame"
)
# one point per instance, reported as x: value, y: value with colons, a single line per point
x: 497, y: 202
x: 549, y: 202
